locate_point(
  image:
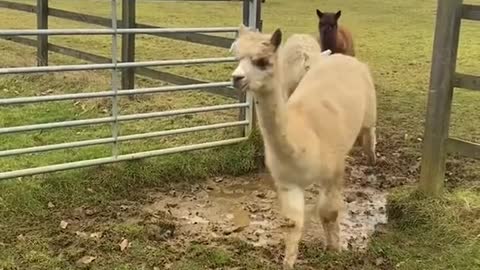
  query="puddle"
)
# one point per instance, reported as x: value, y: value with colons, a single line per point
x: 246, y: 208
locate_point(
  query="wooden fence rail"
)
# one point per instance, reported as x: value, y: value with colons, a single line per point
x: 128, y: 20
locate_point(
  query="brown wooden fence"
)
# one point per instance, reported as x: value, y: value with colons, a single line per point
x: 443, y: 80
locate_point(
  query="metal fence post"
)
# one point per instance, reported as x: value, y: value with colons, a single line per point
x: 447, y: 31
x: 128, y: 43
x: 251, y: 18
x: 114, y: 82
x: 42, y: 40
x: 242, y: 96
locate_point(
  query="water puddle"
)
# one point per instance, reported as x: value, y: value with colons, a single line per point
x: 246, y: 208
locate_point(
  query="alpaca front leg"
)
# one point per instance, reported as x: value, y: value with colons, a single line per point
x: 369, y: 141
x: 331, y: 227
x: 329, y: 206
x: 292, y: 204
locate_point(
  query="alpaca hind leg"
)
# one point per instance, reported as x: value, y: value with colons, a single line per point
x: 292, y: 204
x: 369, y: 141
x: 329, y: 206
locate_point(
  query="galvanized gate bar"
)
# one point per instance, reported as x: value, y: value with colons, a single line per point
x: 101, y: 161
x: 69, y: 32
x: 83, y: 67
x: 103, y: 94
x: 253, y: 8
x: 106, y: 120
x: 151, y: 90
x: 60, y: 146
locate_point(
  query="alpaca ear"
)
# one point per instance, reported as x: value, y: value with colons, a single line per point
x: 319, y: 14
x: 233, y: 47
x: 276, y: 38
x: 242, y: 29
x: 338, y: 14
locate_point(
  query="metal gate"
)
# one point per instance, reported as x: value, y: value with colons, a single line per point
x: 251, y: 16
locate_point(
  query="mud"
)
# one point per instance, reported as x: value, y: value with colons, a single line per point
x: 246, y: 208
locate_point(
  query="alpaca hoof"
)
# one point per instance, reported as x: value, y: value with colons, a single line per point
x: 333, y: 248
x: 288, y: 265
x: 287, y: 223
x: 372, y: 160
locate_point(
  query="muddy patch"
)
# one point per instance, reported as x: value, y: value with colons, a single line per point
x: 246, y: 208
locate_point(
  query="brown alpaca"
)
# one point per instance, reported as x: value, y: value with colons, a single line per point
x: 307, y: 136
x: 333, y: 36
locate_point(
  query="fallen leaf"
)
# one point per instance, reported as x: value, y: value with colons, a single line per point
x: 123, y: 245
x: 81, y: 234
x: 97, y: 235
x: 86, y: 260
x: 63, y: 224
x: 50, y: 205
x: 172, y: 205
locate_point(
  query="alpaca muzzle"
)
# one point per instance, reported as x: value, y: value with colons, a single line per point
x: 238, y: 82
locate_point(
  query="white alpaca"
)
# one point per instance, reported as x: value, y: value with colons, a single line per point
x: 308, y: 136
x: 294, y: 59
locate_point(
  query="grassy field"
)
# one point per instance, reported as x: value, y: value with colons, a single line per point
x: 393, y: 37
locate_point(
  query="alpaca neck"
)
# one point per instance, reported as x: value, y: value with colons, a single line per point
x: 328, y: 40
x: 271, y: 110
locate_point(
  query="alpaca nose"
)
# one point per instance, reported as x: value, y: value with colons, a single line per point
x: 237, y: 80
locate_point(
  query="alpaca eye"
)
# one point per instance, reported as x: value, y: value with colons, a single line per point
x: 261, y: 63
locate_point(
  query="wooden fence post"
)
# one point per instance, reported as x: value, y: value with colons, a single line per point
x: 447, y: 31
x: 42, y: 40
x: 128, y: 43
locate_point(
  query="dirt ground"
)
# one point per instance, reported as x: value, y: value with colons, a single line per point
x: 170, y: 219
x: 246, y: 208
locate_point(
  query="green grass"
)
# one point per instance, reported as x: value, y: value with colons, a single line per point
x: 393, y: 37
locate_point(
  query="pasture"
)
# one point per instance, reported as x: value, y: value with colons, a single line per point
x: 113, y: 216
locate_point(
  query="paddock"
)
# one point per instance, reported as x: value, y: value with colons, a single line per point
x: 123, y: 142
